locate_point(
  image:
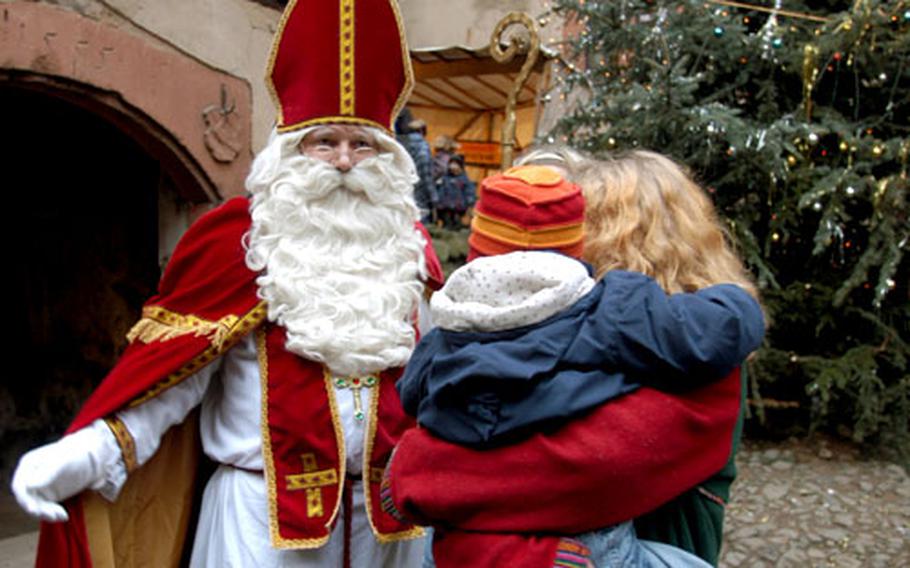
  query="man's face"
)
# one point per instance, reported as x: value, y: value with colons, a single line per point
x: 341, y: 145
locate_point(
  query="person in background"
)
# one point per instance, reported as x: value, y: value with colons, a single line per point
x: 444, y: 147
x: 456, y: 194
x: 411, y: 133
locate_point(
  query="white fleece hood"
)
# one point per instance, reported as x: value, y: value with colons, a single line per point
x: 495, y: 293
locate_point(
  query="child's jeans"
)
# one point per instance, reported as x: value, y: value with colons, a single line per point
x: 616, y: 547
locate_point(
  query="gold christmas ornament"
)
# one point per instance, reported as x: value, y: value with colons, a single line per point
x: 810, y: 74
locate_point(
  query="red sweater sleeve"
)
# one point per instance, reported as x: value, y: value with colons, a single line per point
x: 624, y: 459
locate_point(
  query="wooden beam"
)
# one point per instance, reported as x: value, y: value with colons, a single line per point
x: 451, y: 84
x: 468, y: 124
x: 442, y: 106
x: 464, y: 67
x: 490, y: 128
x: 492, y: 87
x: 433, y: 100
x: 448, y: 96
x: 436, y: 107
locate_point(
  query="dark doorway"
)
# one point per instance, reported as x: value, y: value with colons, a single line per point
x: 82, y: 256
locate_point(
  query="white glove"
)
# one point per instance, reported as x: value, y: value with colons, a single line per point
x: 50, y: 474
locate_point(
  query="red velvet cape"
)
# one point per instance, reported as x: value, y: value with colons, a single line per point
x: 624, y: 459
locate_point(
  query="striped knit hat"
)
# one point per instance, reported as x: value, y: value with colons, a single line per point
x: 527, y: 208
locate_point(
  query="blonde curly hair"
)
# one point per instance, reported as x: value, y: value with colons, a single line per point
x: 645, y: 213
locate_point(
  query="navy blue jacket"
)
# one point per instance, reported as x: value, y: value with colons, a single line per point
x: 485, y: 388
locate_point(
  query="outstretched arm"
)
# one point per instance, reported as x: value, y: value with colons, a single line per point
x: 94, y: 458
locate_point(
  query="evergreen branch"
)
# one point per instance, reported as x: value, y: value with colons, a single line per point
x: 890, y: 334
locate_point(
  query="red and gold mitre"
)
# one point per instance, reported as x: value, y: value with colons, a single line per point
x: 341, y: 61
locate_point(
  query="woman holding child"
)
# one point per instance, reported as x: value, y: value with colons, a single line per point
x: 585, y: 469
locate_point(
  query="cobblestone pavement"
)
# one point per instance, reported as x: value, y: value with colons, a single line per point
x: 806, y: 503
x: 816, y: 503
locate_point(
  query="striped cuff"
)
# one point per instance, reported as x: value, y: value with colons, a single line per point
x: 385, y: 496
x: 571, y: 553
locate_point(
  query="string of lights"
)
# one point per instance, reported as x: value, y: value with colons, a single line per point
x: 758, y: 8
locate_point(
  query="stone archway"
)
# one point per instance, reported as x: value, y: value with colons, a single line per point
x: 118, y: 140
x: 82, y: 247
x: 191, y: 117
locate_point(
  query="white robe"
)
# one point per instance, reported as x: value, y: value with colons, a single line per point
x: 233, y: 527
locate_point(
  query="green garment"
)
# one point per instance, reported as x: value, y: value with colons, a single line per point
x: 694, y: 521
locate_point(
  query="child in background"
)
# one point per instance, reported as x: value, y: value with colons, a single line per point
x: 444, y: 147
x: 455, y: 192
x: 527, y: 340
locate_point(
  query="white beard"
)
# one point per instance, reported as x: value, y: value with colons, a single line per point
x: 341, y: 260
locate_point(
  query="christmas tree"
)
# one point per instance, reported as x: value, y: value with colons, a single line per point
x: 797, y: 121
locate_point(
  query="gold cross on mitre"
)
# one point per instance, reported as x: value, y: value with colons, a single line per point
x: 355, y: 384
x: 312, y: 480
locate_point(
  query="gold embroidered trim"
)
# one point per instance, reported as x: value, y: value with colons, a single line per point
x: 312, y: 480
x: 273, y: 55
x: 415, y: 532
x: 339, y: 436
x: 240, y: 328
x: 268, y: 467
x: 125, y: 441
x: 346, y: 57
x: 405, y: 93
x: 161, y: 324
x: 334, y: 120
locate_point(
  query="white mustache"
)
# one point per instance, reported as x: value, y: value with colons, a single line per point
x: 360, y: 179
